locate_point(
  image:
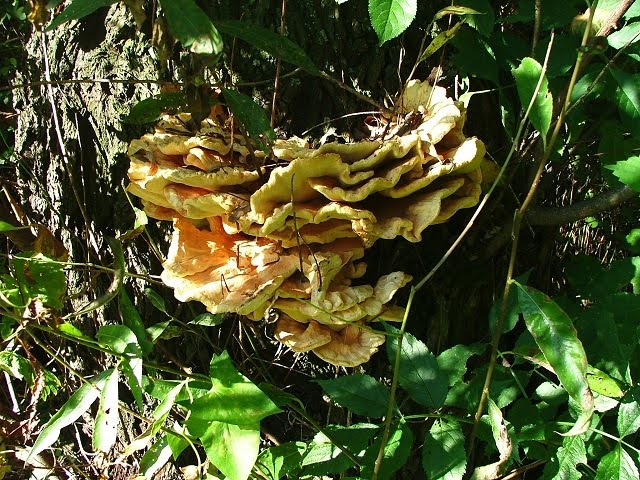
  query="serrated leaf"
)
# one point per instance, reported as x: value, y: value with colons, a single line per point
x: 454, y: 10
x: 443, y: 453
x: 503, y: 443
x: 233, y: 398
x: 554, y: 333
x: 627, y: 171
x: 419, y: 374
x: 106, y: 423
x: 390, y: 18
x: 563, y: 464
x: 440, y: 41
x: 73, y: 409
x: 150, y: 110
x: 628, y: 98
x: 527, y: 76
x: 7, y: 227
x: 41, y: 277
x: 617, y: 465
x: 233, y: 449
x: 396, y: 452
x: 629, y: 413
x: 192, y: 27
x: 78, y: 9
x: 361, y: 394
x: 453, y: 362
x: 268, y: 41
x: 251, y: 115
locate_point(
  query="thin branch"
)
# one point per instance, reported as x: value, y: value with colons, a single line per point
x: 74, y: 81
x: 276, y: 82
x: 614, y: 18
x: 353, y: 91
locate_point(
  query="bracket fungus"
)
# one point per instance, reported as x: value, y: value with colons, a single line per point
x: 288, y: 231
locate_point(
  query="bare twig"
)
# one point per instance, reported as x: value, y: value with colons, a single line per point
x: 614, y: 18
x: 276, y: 82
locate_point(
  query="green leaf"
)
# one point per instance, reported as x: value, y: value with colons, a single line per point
x: 233, y: 398
x: 626, y: 35
x: 629, y: 413
x: 73, y: 409
x: 453, y: 362
x: 250, y: 114
x: 7, y: 227
x: 208, y: 320
x: 268, y: 41
x: 131, y: 319
x: 474, y: 56
x: 527, y: 76
x: 396, y: 452
x: 155, y: 458
x: 162, y: 411
x: 119, y: 338
x: 390, y: 18
x: 150, y: 110
x: 419, y: 374
x: 443, y: 453
x: 73, y: 331
x: 563, y: 464
x: 617, y: 465
x: 192, y: 27
x: 454, y: 10
x: 440, y: 41
x: 16, y: 366
x: 627, y: 171
x: 555, y: 335
x: 282, y: 460
x: 361, y: 394
x: 106, y: 424
x: 503, y: 443
x: 603, y: 384
x: 78, y: 9
x: 628, y: 98
x: 233, y: 449
x: 42, y: 277
x: 156, y: 300
x: 481, y: 16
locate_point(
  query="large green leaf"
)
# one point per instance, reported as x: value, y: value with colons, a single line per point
x: 527, y: 76
x: 390, y: 18
x: 396, y: 452
x: 563, y: 464
x: 419, y: 374
x: 628, y: 171
x: 17, y: 366
x: 233, y: 398
x: 268, y: 41
x: 155, y: 458
x: 192, y: 26
x: 626, y: 35
x: 251, y: 115
x: 443, y: 453
x: 78, y: 9
x: 281, y: 460
x: 233, y: 449
x: 617, y: 465
x: 555, y: 335
x: 629, y: 413
x: 628, y: 98
x: 453, y: 362
x: 73, y: 409
x: 41, y: 278
x: 106, y: 424
x: 361, y: 394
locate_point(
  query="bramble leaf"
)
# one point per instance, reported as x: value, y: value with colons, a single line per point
x: 390, y: 18
x: 361, y: 394
x: 629, y: 413
x: 617, y: 465
x: 443, y: 453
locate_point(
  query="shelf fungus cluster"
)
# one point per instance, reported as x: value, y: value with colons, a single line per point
x: 288, y: 232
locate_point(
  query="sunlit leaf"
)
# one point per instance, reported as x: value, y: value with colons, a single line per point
x: 527, y: 76
x: 361, y: 394
x: 554, y: 333
x: 73, y: 409
x: 7, y: 227
x: 192, y: 27
x: 73, y: 331
x: 233, y: 449
x: 42, y: 278
x: 603, y: 384
x: 155, y: 458
x: 390, y: 18
x: 78, y: 9
x: 443, y: 453
x: 628, y: 99
x: 617, y: 465
x: 563, y: 464
x: 629, y: 413
x: 626, y: 35
x: 419, y: 374
x: 208, y: 320
x: 156, y: 300
x: 268, y: 41
x: 453, y: 362
x: 106, y: 423
x: 503, y: 443
x: 396, y: 452
x: 279, y: 461
x: 628, y: 171
x: 17, y: 366
x: 454, y: 10
x: 251, y: 115
x: 440, y: 41
x: 131, y: 319
x: 151, y: 109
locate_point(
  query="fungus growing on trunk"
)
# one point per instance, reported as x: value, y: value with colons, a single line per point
x: 292, y: 237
